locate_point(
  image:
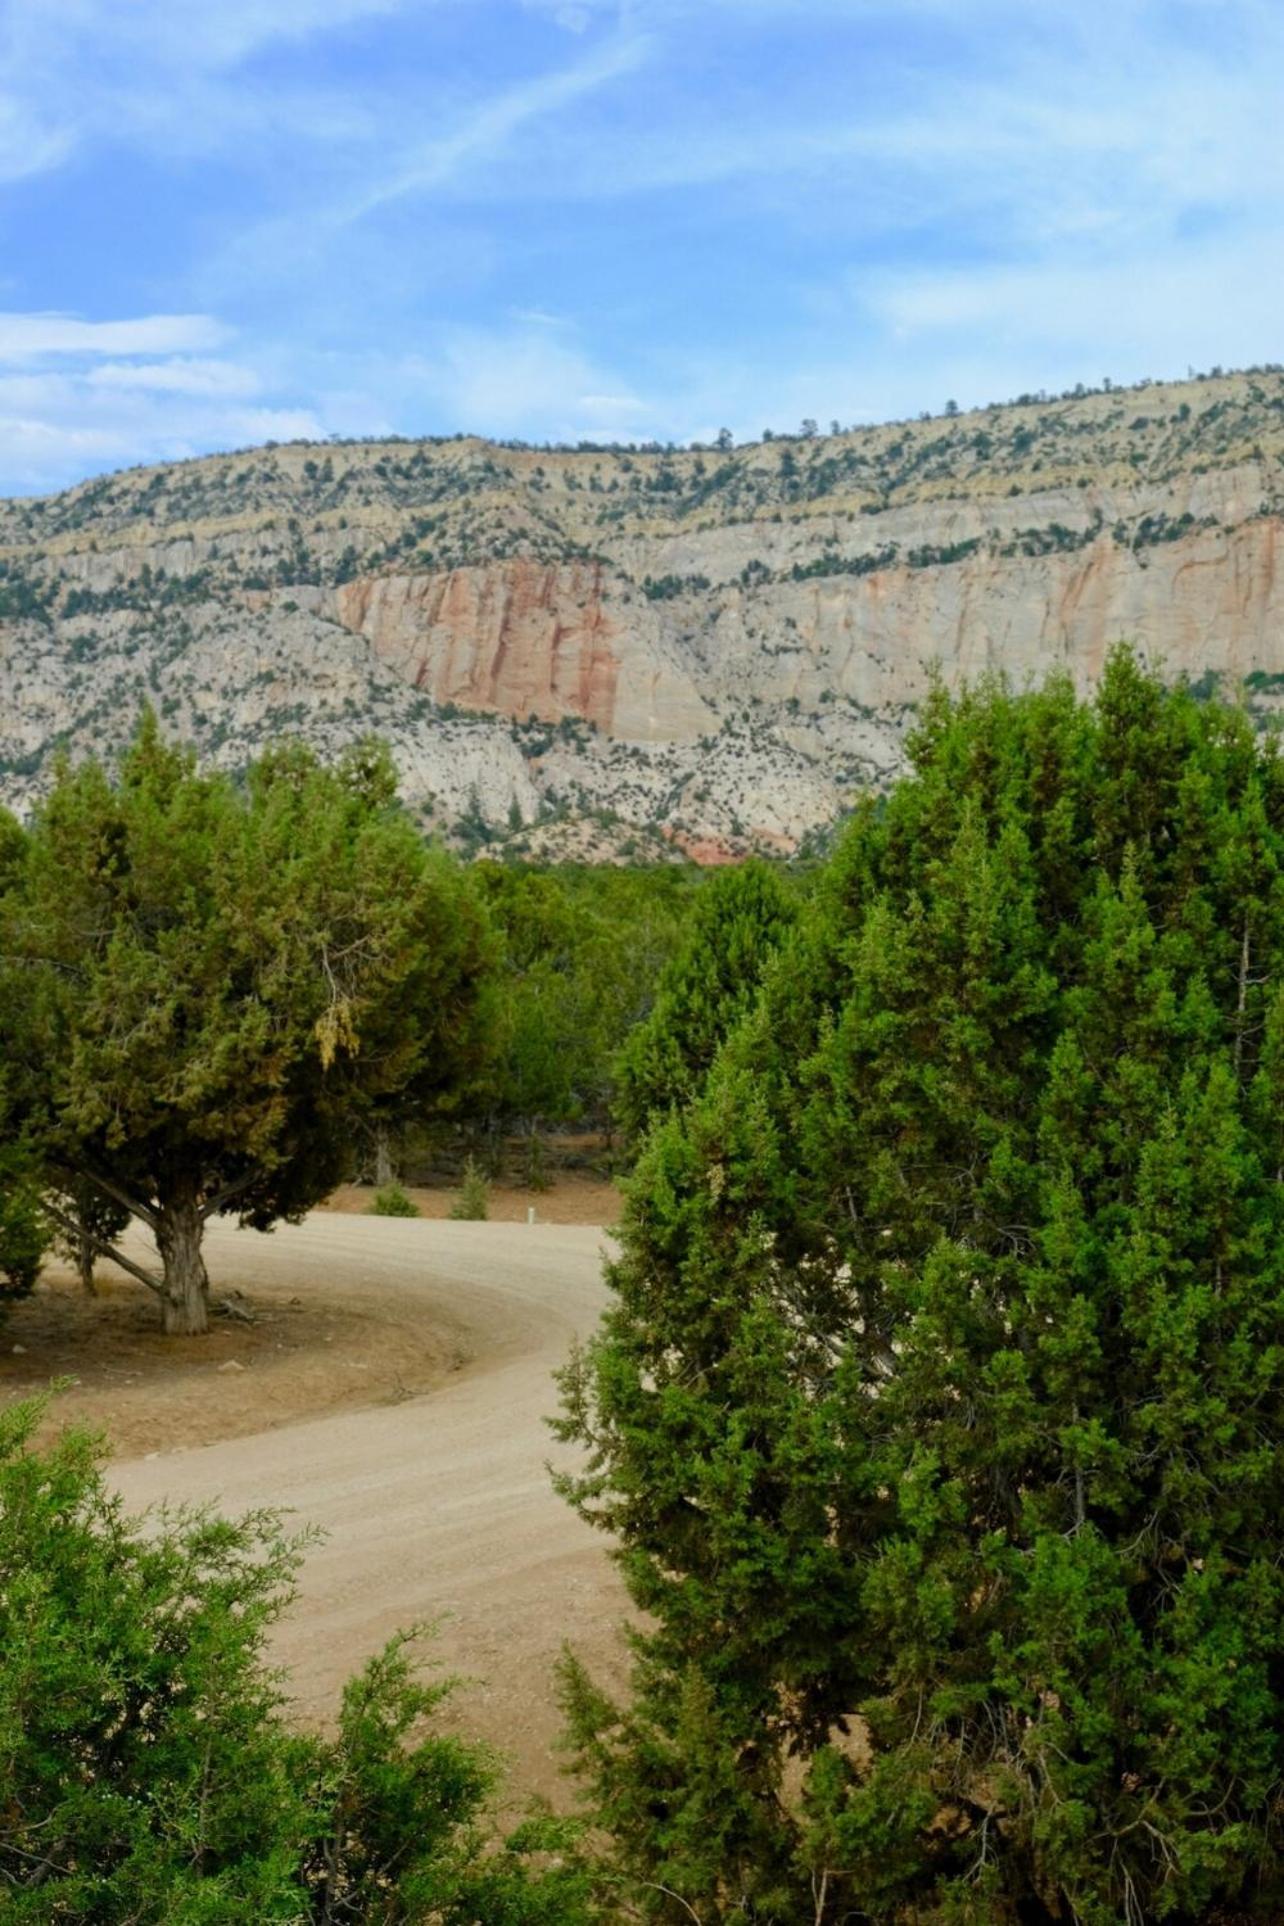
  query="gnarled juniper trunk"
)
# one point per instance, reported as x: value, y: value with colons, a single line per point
x: 385, y: 1170
x: 85, y: 1256
x: 180, y: 1227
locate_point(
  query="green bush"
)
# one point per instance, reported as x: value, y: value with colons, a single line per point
x: 148, y: 1773
x: 473, y: 1202
x: 392, y: 1201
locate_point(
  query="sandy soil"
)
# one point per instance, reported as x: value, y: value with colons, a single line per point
x: 435, y: 1499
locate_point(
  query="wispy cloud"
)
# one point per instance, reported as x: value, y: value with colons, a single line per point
x: 1046, y: 323
x: 487, y: 129
x: 524, y: 381
x: 34, y: 336
x: 53, y: 432
x: 180, y: 376
x: 77, y: 394
x: 167, y: 75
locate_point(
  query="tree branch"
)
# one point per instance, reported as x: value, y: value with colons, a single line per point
x: 107, y: 1250
x: 111, y: 1189
x: 225, y: 1196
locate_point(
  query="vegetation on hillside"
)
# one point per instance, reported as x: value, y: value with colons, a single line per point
x: 939, y: 1415
x: 311, y: 591
x: 455, y: 493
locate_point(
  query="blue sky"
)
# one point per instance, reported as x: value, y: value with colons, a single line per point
x: 228, y: 220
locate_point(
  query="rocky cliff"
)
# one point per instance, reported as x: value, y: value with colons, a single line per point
x: 596, y: 649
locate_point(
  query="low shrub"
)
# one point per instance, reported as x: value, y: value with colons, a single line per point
x: 392, y: 1201
x: 473, y: 1201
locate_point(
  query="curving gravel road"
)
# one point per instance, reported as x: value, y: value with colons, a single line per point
x: 438, y: 1507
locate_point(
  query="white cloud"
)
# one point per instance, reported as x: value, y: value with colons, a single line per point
x: 1151, y: 313
x: 161, y: 74
x: 28, y: 145
x: 34, y: 336
x: 180, y: 376
x: 69, y: 437
x: 71, y: 401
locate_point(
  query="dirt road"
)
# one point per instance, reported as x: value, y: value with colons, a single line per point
x: 438, y: 1506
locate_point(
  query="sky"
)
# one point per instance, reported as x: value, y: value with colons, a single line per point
x: 228, y: 221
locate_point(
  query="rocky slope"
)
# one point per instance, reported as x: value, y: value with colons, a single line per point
x: 596, y: 649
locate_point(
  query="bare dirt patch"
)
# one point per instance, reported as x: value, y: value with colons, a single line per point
x: 393, y: 1391
x: 312, y: 1349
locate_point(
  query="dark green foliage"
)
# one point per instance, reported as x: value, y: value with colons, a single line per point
x: 940, y: 1411
x: 147, y: 1775
x: 665, y: 587
x: 828, y: 564
x: 582, y: 950
x: 24, y: 598
x: 25, y: 1229
x: 740, y: 919
x: 207, y: 988
x: 89, y: 1222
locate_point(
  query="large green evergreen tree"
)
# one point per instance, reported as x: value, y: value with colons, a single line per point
x: 206, y: 986
x: 940, y: 1411
x: 740, y: 919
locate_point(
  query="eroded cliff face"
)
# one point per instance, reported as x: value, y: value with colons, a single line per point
x: 717, y: 648
x: 523, y: 638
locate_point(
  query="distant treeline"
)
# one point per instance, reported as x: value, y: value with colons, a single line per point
x: 582, y: 953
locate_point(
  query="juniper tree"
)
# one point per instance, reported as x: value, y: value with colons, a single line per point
x: 208, y: 986
x: 741, y: 917
x: 939, y: 1413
